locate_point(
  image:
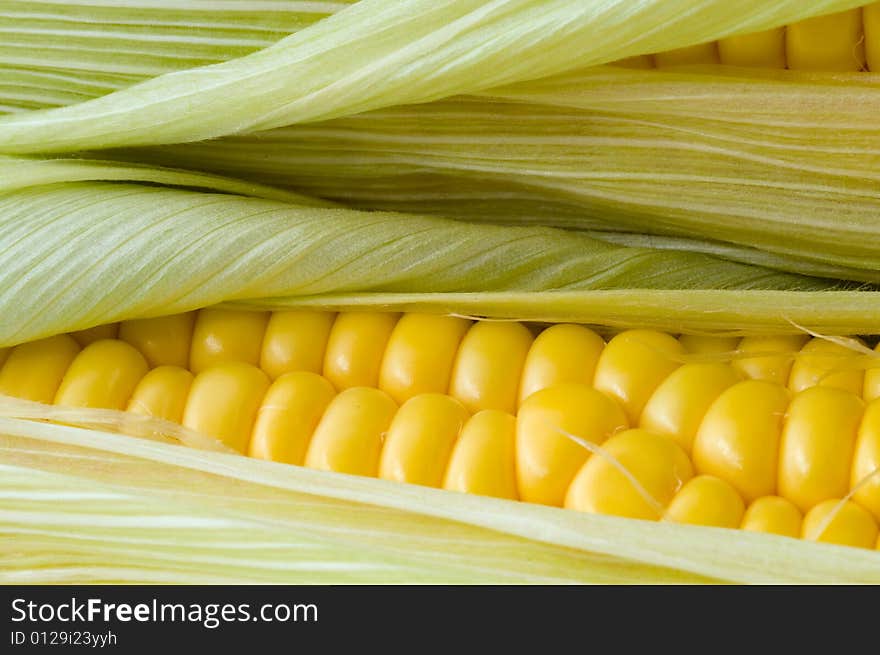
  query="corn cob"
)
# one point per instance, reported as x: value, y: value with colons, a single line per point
x: 430, y: 438
x: 848, y: 41
x: 778, y: 439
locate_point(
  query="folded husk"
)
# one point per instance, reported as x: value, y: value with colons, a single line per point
x: 82, y: 505
x: 380, y: 53
x: 711, y: 155
x: 86, y: 253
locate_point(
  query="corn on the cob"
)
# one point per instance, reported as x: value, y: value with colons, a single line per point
x: 846, y: 41
x: 486, y: 407
x: 636, y: 445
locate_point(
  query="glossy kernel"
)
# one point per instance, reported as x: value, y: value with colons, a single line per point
x: 223, y: 402
x: 871, y: 389
x: 162, y: 393
x: 163, y: 341
x: 656, y: 468
x: 825, y: 363
x: 289, y: 415
x: 34, y: 370
x: 547, y: 456
x: 817, y: 445
x: 489, y: 365
x: 738, y: 439
x: 707, y: 500
x: 355, y: 348
x: 560, y: 354
x: 295, y: 341
x: 769, y: 358
x: 678, y: 405
x: 483, y: 460
x: 774, y: 515
x: 420, y: 355
x: 103, y: 375
x: 633, y: 365
x: 350, y: 434
x: 421, y: 438
x: 226, y: 335
x: 866, y: 461
x: 852, y: 525
x: 827, y: 43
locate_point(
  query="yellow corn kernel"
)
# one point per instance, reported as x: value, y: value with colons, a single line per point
x: 773, y: 357
x: 560, y: 354
x: 224, y: 400
x: 827, y: 43
x: 489, y: 365
x: 162, y: 393
x: 758, y: 50
x: 4, y: 353
x: 739, y: 437
x: 774, y: 515
x: 349, y: 436
x: 226, y: 335
x: 289, y: 415
x: 483, y: 460
x: 871, y: 19
x: 355, y: 348
x: 103, y: 375
x: 703, y: 344
x: 707, y: 500
x: 98, y: 333
x: 660, y: 468
x: 703, y: 53
x: 295, y: 341
x: 852, y: 525
x: 871, y: 389
x: 547, y: 458
x: 633, y: 365
x: 34, y: 370
x: 817, y: 445
x: 866, y: 461
x: 420, y: 355
x: 163, y: 341
x: 681, y: 401
x: 642, y: 62
x: 420, y: 439
x: 825, y: 363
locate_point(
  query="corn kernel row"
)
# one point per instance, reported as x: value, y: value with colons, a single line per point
x: 846, y: 41
x: 637, y: 371
x: 485, y: 365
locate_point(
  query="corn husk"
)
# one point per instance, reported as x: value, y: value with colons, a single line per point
x: 81, y: 254
x: 83, y: 505
x: 778, y: 168
x: 380, y: 53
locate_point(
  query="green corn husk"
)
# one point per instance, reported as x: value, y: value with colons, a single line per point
x: 87, y: 253
x: 380, y: 53
x: 59, y: 52
x: 23, y: 172
x: 83, y: 505
x: 712, y: 156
